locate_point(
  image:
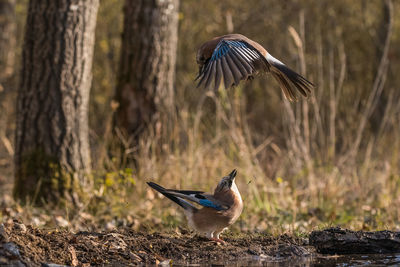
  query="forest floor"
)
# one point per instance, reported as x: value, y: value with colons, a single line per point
x: 22, y: 245
x: 25, y: 245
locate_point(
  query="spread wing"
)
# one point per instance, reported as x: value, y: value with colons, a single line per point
x: 231, y: 61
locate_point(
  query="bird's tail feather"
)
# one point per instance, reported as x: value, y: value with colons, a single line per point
x: 181, y: 202
x: 290, y: 81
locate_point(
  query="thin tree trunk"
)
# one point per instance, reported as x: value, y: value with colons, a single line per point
x: 382, y: 99
x: 52, y: 156
x: 147, y: 66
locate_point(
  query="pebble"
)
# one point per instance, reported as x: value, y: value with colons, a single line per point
x: 12, y: 248
x: 53, y: 265
x: 20, y: 226
x: 3, y: 233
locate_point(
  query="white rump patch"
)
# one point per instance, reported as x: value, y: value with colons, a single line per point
x: 272, y: 60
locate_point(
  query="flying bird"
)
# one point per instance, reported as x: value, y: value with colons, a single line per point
x: 216, y: 212
x: 234, y: 57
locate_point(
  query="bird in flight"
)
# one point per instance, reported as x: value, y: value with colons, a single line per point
x: 234, y: 57
x: 218, y: 210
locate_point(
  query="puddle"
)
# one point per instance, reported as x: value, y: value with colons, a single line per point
x: 256, y: 262
x: 341, y: 261
x: 358, y: 260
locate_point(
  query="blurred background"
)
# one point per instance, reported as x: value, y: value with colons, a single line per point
x: 332, y: 159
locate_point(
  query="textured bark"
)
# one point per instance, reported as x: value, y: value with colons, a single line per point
x: 52, y: 157
x: 342, y: 241
x: 7, y: 40
x: 7, y: 62
x: 147, y: 65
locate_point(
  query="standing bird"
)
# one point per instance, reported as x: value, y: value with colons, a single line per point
x: 218, y: 211
x: 234, y: 57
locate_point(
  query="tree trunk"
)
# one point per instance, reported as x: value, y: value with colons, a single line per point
x: 52, y: 156
x: 383, y: 33
x: 147, y: 66
x: 7, y: 62
x: 7, y: 41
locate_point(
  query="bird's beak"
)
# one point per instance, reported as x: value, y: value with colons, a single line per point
x: 232, y: 175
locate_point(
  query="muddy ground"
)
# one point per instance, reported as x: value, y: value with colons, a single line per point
x: 25, y: 245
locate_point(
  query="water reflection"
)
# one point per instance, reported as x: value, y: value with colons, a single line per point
x: 358, y: 260
x: 341, y: 261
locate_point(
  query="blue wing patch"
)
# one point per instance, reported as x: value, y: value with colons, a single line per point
x: 210, y: 204
x: 224, y: 46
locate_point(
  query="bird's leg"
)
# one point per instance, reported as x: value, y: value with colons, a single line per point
x: 210, y: 236
x: 216, y: 238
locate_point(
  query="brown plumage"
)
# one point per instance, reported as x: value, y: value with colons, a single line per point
x: 234, y: 57
x: 218, y: 211
x: 201, y: 219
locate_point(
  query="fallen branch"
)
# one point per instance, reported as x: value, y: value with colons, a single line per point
x: 342, y: 241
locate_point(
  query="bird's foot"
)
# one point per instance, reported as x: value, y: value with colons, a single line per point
x: 218, y: 240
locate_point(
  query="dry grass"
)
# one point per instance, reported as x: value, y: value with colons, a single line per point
x: 309, y: 186
x: 321, y: 161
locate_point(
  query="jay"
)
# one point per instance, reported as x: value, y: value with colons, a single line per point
x: 217, y: 211
x: 234, y: 57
